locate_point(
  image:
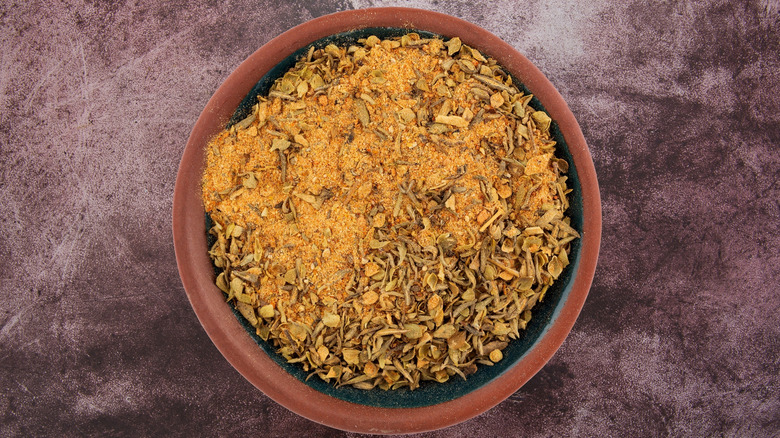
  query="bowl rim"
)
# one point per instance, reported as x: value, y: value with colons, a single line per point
x: 230, y: 337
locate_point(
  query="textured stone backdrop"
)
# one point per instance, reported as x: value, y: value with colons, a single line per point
x: 680, y: 104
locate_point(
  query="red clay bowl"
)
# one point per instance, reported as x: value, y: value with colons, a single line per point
x: 431, y: 406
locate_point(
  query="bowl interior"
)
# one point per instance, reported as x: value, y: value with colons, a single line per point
x: 544, y: 313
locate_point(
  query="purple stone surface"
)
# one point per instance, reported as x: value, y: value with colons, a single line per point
x: 679, y: 102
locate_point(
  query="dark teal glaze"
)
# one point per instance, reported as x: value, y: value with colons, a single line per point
x: 429, y: 393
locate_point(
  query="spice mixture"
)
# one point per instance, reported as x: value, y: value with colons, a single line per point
x: 390, y: 213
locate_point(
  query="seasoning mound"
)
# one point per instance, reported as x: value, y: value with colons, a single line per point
x: 390, y: 213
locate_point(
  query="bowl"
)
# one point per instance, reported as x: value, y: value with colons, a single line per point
x: 431, y: 406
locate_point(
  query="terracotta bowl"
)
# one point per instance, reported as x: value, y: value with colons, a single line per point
x: 431, y: 406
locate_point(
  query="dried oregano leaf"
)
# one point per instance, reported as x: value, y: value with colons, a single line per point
x: 406, y: 299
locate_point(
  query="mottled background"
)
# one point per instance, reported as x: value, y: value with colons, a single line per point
x: 680, y: 104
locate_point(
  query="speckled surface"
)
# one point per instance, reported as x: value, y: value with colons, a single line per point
x: 680, y: 104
